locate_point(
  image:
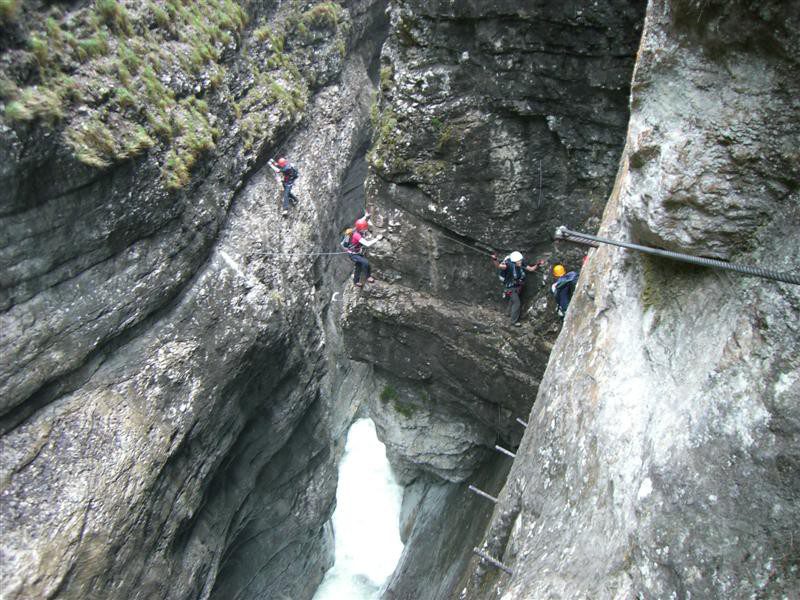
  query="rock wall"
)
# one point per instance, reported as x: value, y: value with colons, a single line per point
x: 661, y: 459
x: 173, y: 382
x: 478, y: 101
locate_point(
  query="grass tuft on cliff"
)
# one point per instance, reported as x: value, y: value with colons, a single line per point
x: 114, y: 62
x: 9, y: 10
x: 119, y: 77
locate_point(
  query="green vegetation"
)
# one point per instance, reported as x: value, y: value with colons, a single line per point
x: 8, y: 89
x: 272, y: 99
x: 405, y: 409
x: 387, y: 139
x: 35, y: 103
x: 322, y: 16
x: 130, y: 108
x: 387, y: 73
x: 124, y: 62
x: 444, y: 134
x: 388, y: 394
x: 114, y: 15
x: 8, y: 10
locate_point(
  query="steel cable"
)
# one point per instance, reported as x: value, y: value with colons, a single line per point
x: 582, y: 238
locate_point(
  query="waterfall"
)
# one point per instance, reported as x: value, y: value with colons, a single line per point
x: 366, y: 520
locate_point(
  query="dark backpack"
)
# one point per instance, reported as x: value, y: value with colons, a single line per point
x: 290, y: 173
x: 564, y: 288
x: 507, y: 275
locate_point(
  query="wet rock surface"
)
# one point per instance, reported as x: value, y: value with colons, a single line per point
x: 484, y: 81
x: 173, y: 381
x: 661, y: 459
x: 496, y: 123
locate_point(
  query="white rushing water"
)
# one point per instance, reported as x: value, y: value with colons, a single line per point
x: 366, y: 520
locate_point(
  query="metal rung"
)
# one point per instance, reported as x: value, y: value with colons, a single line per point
x: 521, y: 422
x: 506, y: 452
x: 472, y: 488
x: 492, y: 561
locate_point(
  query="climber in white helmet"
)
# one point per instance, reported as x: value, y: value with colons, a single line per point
x: 512, y: 272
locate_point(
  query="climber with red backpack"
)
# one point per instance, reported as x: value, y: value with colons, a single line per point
x: 512, y: 272
x: 286, y: 174
x: 355, y: 243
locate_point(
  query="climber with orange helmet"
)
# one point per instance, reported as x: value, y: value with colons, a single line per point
x: 286, y: 174
x: 512, y: 272
x: 355, y: 244
x: 563, y: 288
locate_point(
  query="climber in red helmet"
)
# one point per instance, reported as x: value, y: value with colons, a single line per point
x: 355, y: 244
x: 286, y: 174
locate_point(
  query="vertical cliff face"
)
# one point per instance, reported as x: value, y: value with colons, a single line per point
x: 473, y: 99
x: 661, y: 459
x: 496, y: 123
x: 173, y: 384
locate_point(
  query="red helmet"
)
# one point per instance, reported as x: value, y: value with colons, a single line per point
x: 362, y: 225
x: 282, y: 162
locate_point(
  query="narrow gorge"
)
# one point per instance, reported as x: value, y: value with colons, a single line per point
x: 180, y: 363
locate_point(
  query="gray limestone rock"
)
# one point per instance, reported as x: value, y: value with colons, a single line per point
x: 661, y: 459
x: 173, y: 380
x: 477, y: 100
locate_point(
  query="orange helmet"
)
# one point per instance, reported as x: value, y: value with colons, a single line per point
x: 282, y: 162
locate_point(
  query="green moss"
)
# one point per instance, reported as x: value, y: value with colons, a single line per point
x: 9, y: 10
x: 262, y: 34
x: 405, y: 409
x: 8, y: 89
x: 125, y: 98
x: 325, y: 15
x: 160, y: 16
x: 92, y: 47
x: 36, y: 103
x: 128, y: 107
x: 114, y: 15
x: 387, y: 138
x: 388, y: 393
x: 93, y: 143
x: 66, y: 88
x: 387, y: 73
x: 55, y: 35
x: 129, y: 58
x: 17, y: 111
x: 194, y: 136
x: 445, y: 135
x: 40, y: 50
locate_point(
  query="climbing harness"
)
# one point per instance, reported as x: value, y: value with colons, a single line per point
x: 562, y: 233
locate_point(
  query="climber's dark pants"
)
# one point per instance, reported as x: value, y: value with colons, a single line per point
x: 288, y: 195
x: 513, y: 294
x: 361, y: 263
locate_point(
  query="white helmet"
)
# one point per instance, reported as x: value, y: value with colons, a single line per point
x: 515, y: 256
